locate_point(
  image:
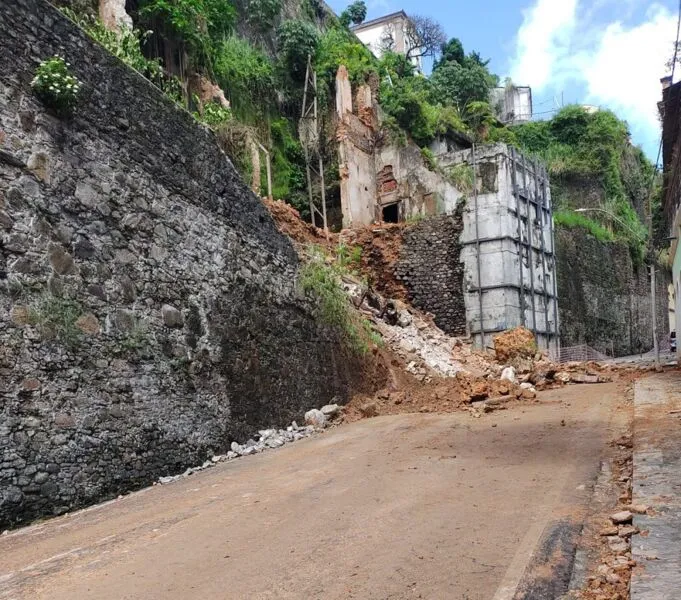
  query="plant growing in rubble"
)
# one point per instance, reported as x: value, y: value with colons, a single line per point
x: 55, y: 86
x: 214, y: 115
x: 321, y: 277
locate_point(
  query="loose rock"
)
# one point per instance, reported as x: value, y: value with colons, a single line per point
x: 330, y: 410
x: 624, y: 516
x: 316, y: 418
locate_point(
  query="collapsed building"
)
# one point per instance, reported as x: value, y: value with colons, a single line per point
x: 506, y: 239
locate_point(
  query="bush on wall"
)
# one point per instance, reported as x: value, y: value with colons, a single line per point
x: 56, y: 86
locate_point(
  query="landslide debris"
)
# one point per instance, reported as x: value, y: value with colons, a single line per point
x: 429, y: 371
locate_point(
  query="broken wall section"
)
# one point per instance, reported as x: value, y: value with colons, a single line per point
x: 383, y: 180
x: 430, y: 268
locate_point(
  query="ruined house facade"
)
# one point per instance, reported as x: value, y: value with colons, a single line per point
x: 507, y: 239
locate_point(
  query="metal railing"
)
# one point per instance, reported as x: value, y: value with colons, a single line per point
x: 579, y: 353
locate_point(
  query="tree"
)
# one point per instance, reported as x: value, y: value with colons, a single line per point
x: 396, y: 65
x: 297, y: 41
x: 425, y: 37
x: 452, y: 51
x: 355, y: 13
x: 457, y: 84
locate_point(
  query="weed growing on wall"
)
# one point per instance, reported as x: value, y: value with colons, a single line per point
x: 462, y: 177
x: 55, y: 318
x: 571, y: 219
x: 348, y: 256
x: 56, y: 86
x: 429, y: 159
x: 321, y: 278
x: 125, y: 44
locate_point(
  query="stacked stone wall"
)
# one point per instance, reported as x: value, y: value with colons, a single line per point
x: 431, y: 270
x: 149, y: 313
x: 604, y: 297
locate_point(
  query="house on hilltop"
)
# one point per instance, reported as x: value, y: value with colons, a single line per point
x: 391, y: 32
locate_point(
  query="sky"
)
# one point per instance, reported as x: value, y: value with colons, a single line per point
x: 606, y: 53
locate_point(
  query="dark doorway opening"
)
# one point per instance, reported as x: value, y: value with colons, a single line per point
x: 391, y: 213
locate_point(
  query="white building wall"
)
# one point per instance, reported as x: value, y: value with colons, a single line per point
x: 373, y: 36
x: 509, y: 262
x: 513, y: 104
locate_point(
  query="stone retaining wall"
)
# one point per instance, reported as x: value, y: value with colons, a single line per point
x: 149, y: 310
x: 431, y: 270
x: 605, y: 297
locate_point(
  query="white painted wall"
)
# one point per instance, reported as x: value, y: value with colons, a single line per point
x: 500, y: 260
x: 513, y: 104
x: 372, y: 37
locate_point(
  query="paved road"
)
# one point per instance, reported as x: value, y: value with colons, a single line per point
x: 411, y: 506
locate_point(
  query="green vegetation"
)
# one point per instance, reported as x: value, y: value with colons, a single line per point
x: 462, y: 177
x: 429, y: 159
x: 214, y: 115
x: 321, y: 278
x: 458, y: 79
x: 126, y: 44
x: 200, y: 25
x: 453, y: 101
x: 136, y: 339
x: 262, y: 13
x: 349, y: 256
x: 55, y: 86
x: 354, y: 14
x: 297, y: 41
x: 288, y: 165
x: 246, y: 75
x: 55, y: 318
x: 340, y: 47
x: 571, y: 219
x: 593, y: 148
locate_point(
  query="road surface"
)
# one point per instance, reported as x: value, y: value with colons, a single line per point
x: 401, y: 507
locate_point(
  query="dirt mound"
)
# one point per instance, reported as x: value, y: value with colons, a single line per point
x: 440, y: 395
x: 381, y: 247
x: 290, y: 223
x: 518, y: 343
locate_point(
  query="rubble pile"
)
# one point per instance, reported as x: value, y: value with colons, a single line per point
x: 444, y: 372
x: 515, y: 345
x: 289, y: 223
x: 268, y: 439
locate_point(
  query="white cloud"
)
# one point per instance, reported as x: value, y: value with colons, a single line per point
x: 542, y: 41
x: 617, y: 64
x: 623, y: 71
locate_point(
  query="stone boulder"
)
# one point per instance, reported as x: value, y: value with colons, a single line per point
x: 316, y: 418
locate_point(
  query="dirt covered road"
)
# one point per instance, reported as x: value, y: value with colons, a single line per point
x: 400, y: 507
